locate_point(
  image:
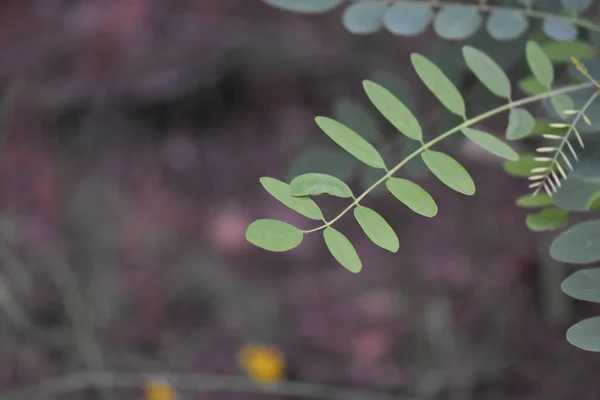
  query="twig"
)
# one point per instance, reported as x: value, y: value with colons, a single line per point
x: 190, y: 382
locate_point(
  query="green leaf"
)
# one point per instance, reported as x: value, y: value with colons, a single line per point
x: 408, y: 19
x: 560, y: 29
x: 342, y: 250
x: 439, y: 84
x: 314, y: 184
x: 585, y: 334
x: 491, y: 143
x: 413, y: 196
x: 393, y: 110
x: 530, y: 85
x: 487, y: 71
x: 281, y: 191
x: 583, y: 285
x: 576, y: 193
x: 576, y: 6
x: 449, y: 171
x: 355, y: 117
x: 548, y: 219
x: 305, y: 6
x: 457, y: 22
x: 376, y: 228
x: 522, y: 167
x: 580, y: 244
x: 273, y: 235
x: 561, y: 103
x: 351, y: 141
x: 520, y: 124
x: 532, y: 201
x: 540, y: 64
x: 563, y: 51
x: 365, y: 17
x: 326, y: 161
x: 507, y: 24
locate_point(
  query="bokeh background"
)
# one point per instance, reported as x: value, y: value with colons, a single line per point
x: 133, y: 136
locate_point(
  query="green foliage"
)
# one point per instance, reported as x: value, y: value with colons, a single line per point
x: 314, y: 184
x: 580, y: 244
x: 548, y: 219
x: 351, y: 141
x: 564, y: 174
x: 281, y: 191
x: 413, y: 196
x: 342, y: 250
x: 274, y: 235
x: 439, y: 84
x: 376, y: 228
x: 393, y: 109
x: 520, y: 124
x: 491, y: 143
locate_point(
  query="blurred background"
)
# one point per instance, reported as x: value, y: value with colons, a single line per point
x: 133, y: 136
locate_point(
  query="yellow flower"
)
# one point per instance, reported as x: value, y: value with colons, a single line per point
x: 159, y: 389
x: 264, y: 364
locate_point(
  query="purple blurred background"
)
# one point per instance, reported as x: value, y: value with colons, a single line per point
x: 129, y: 171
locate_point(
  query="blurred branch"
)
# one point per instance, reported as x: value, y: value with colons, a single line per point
x: 196, y: 382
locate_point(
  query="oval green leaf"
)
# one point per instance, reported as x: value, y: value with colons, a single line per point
x: 408, y: 19
x: 376, y: 228
x: 273, y: 235
x: 548, y: 219
x: 563, y: 51
x: 393, y: 110
x: 365, y: 17
x: 457, y: 22
x: 537, y: 200
x: 491, y: 143
x: 540, y: 64
x: 351, y: 141
x: 561, y: 103
x: 580, y: 244
x: 314, y: 184
x: 342, y: 250
x: 520, y: 124
x: 585, y: 334
x: 487, y: 71
x: 413, y: 196
x: 439, y: 84
x: 449, y: 171
x: 530, y: 85
x: 507, y: 24
x: 305, y: 6
x: 281, y: 191
x: 523, y: 166
x: 560, y: 29
x: 583, y: 285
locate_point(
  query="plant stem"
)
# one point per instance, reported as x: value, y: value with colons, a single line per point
x: 481, y: 117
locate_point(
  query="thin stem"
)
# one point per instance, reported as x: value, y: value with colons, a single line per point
x: 60, y: 386
x: 448, y: 133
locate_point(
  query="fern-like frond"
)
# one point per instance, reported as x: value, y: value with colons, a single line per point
x: 555, y: 158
